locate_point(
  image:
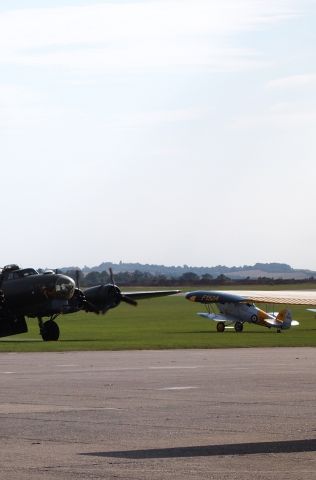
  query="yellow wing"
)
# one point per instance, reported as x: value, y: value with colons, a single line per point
x: 286, y: 297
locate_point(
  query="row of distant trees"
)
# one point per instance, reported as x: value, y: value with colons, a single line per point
x: 138, y: 278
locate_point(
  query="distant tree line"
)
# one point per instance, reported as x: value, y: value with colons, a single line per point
x: 144, y: 279
x: 177, y: 271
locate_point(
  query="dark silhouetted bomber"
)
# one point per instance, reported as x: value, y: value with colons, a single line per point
x: 28, y: 293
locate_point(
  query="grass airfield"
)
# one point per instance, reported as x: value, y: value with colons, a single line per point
x: 161, y: 323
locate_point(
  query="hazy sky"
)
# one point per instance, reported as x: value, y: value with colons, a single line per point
x: 167, y: 131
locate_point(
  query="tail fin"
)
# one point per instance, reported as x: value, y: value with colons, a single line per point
x: 284, y: 318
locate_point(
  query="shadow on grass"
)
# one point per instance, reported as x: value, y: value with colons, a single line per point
x: 288, y: 446
x: 22, y: 340
x: 228, y: 332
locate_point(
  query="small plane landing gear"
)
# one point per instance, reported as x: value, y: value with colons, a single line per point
x: 238, y: 327
x: 49, y: 330
x: 220, y: 327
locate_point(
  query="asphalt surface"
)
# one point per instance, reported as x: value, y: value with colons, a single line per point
x: 177, y: 414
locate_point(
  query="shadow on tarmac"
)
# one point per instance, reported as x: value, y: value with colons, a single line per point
x: 289, y: 446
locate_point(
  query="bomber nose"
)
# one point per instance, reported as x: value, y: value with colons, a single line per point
x: 64, y: 287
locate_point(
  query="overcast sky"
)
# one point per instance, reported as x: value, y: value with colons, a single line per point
x: 168, y: 131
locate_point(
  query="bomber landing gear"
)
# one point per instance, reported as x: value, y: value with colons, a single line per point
x: 49, y: 330
x: 220, y: 327
x: 238, y: 327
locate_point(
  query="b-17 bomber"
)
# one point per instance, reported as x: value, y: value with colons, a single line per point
x: 26, y: 293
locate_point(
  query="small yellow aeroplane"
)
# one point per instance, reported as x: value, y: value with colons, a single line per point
x: 238, y: 307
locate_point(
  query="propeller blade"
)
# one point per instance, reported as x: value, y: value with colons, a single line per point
x: 130, y: 301
x: 91, y: 307
x: 111, y: 276
x: 123, y: 298
x: 77, y: 279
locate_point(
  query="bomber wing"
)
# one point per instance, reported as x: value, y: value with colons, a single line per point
x: 149, y: 294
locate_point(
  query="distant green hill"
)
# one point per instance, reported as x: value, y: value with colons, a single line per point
x: 267, y: 270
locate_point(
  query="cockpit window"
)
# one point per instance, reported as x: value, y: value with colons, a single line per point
x: 26, y: 272
x: 65, y: 287
x: 16, y: 274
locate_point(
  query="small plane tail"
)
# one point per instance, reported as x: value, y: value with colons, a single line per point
x: 284, y: 318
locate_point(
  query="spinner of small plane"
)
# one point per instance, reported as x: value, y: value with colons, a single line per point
x: 28, y: 293
x: 237, y: 308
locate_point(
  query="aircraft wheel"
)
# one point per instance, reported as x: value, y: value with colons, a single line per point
x: 238, y: 327
x: 50, y: 331
x: 220, y: 327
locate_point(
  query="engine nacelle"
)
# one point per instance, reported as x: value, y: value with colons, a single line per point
x: 101, y: 298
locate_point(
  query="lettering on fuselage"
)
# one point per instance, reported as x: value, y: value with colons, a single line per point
x: 209, y: 299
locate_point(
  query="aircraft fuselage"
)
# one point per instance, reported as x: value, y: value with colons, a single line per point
x: 32, y: 294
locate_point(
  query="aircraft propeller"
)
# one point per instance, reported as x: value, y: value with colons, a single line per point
x: 101, y: 298
x: 123, y: 298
